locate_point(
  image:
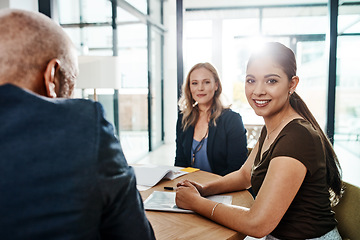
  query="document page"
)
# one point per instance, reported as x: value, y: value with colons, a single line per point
x: 165, y: 201
x: 150, y: 175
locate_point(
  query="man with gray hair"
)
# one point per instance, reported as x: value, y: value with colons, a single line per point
x: 63, y: 174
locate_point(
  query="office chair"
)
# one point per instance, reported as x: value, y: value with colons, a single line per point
x: 347, y: 213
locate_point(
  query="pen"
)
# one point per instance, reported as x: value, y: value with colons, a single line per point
x: 169, y: 188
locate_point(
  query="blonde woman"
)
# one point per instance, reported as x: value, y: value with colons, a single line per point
x: 209, y: 136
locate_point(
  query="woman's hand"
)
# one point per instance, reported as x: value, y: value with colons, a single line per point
x: 186, y: 194
x: 198, y: 186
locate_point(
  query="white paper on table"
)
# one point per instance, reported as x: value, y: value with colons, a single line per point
x: 142, y: 187
x: 150, y: 175
x: 165, y: 201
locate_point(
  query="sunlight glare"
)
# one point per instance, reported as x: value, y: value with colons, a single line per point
x: 256, y: 44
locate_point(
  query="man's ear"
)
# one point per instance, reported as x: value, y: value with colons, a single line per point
x: 50, y: 80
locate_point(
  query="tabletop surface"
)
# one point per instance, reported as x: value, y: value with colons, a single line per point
x: 169, y: 225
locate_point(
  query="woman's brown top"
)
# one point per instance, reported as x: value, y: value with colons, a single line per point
x: 309, y: 214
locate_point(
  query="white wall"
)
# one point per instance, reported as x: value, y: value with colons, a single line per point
x: 170, y: 72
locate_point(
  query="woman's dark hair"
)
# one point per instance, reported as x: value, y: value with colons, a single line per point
x: 285, y: 58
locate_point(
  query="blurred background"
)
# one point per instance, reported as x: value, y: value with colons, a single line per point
x: 135, y: 54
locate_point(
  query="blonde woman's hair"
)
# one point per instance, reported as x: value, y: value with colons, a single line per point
x: 191, y: 113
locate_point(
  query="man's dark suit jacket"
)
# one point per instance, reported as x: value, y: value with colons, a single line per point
x: 226, y: 148
x: 62, y: 172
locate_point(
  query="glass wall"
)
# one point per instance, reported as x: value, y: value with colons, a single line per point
x: 156, y: 89
x: 347, y: 107
x: 242, y: 30
x: 226, y: 35
x: 133, y: 101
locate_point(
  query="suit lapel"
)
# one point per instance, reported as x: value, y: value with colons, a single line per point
x: 188, y: 139
x: 210, y: 144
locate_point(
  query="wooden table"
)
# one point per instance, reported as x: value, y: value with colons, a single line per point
x: 169, y: 225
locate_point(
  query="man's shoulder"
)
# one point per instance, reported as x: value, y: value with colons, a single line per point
x: 79, y: 108
x: 29, y: 98
x: 75, y: 103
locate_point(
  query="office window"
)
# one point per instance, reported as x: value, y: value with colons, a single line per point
x: 141, y: 5
x: 294, y: 20
x: 68, y: 11
x: 227, y: 37
x: 156, y: 89
x: 88, y: 23
x: 133, y: 55
x: 198, y: 47
x: 347, y: 123
x: 101, y: 45
x: 347, y: 106
x: 242, y: 27
x: 133, y: 95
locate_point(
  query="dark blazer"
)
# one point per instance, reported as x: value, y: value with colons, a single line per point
x: 226, y: 148
x: 63, y: 174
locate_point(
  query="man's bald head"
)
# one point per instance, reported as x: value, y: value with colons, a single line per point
x: 29, y: 41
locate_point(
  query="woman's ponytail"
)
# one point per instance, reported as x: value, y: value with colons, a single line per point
x: 333, y: 169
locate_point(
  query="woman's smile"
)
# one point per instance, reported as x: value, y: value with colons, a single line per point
x: 261, y: 103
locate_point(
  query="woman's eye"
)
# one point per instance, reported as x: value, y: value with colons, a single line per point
x: 271, y: 81
x: 193, y: 83
x: 250, y: 80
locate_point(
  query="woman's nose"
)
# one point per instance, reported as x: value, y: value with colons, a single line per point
x: 201, y: 86
x: 259, y: 89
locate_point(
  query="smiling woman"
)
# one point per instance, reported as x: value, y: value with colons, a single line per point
x: 203, y: 87
x: 293, y: 170
x: 268, y: 89
x: 209, y: 135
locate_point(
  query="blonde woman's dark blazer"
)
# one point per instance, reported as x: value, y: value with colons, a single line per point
x: 226, y: 148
